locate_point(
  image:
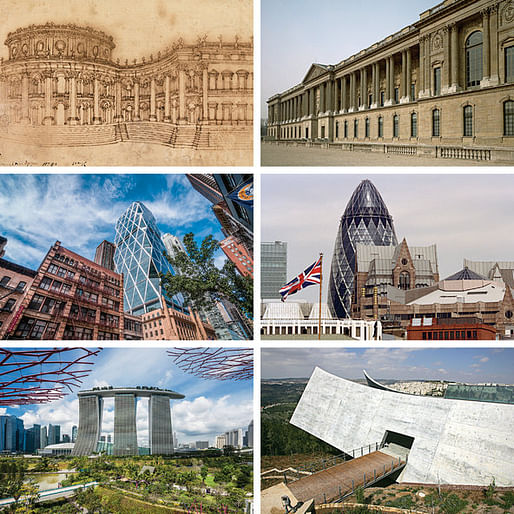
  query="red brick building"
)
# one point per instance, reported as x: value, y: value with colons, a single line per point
x: 239, y: 255
x: 449, y: 329
x: 71, y: 298
x: 15, y: 280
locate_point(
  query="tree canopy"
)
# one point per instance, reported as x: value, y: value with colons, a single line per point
x: 200, y: 280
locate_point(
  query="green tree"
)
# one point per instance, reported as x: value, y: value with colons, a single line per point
x: 200, y: 280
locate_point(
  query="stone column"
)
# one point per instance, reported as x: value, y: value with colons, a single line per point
x: 421, y: 73
x: 73, y: 118
x: 364, y: 89
x: 391, y: 78
x: 403, y: 78
x: 97, y: 120
x: 312, y: 104
x: 374, y: 81
x: 487, y: 48
x: 322, y: 98
x: 388, y: 100
x: 351, y: 103
x: 137, y: 117
x: 167, y: 106
x: 494, y: 72
x: 329, y: 98
x: 153, y: 115
x: 344, y: 106
x: 409, y: 75
x: 117, y: 98
x: 454, y: 59
x: 445, y: 72
x: 182, y: 96
x: 25, y: 107
x: 49, y: 118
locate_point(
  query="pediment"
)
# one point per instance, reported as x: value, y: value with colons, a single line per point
x: 315, y: 71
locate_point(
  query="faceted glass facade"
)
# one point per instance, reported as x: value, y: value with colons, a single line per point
x: 273, y: 269
x: 366, y: 220
x: 140, y: 257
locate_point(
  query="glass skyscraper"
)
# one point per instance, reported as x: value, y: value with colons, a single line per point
x: 140, y: 257
x: 273, y: 269
x: 365, y: 220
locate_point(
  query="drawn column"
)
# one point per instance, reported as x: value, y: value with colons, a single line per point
x: 205, y: 93
x: 97, y: 120
x: 182, y: 95
x: 25, y: 114
x: 167, y: 111
x: 72, y: 80
x: 137, y: 117
x: 117, y: 98
x: 153, y: 116
x: 49, y: 118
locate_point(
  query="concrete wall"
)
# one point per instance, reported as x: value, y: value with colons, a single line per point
x: 455, y: 441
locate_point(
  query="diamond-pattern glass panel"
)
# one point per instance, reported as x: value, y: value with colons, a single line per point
x: 365, y: 220
x: 139, y: 254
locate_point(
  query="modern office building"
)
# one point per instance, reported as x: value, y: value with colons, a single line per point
x: 140, y: 258
x: 125, y: 432
x: 11, y: 434
x: 220, y: 441
x: 236, y: 220
x: 54, y: 434
x: 249, y: 435
x: 70, y: 298
x: 32, y: 441
x: 234, y: 438
x: 201, y: 445
x: 365, y: 220
x: 74, y: 430
x: 104, y: 255
x: 442, y: 87
x: 44, y: 437
x: 188, y: 95
x: 273, y: 269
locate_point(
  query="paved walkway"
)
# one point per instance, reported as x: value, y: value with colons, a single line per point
x: 281, y: 155
x: 331, y: 483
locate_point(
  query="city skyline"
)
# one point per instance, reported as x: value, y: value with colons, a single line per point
x: 473, y: 365
x: 287, y: 53
x: 197, y: 417
x: 81, y: 211
x: 466, y: 216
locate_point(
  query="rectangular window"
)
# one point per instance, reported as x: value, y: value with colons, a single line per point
x: 396, y: 95
x: 414, y: 125
x: 370, y: 101
x: 382, y: 97
x: 53, y: 269
x: 56, y: 285
x: 396, y: 125
x: 35, y: 303
x: 508, y: 118
x: 437, y: 81
x: 345, y: 129
x: 509, y: 64
x: 45, y: 283
x: 436, y: 129
x: 366, y: 127
x: 413, y: 91
x: 380, y: 127
x: 61, y: 272
x: 468, y: 121
x: 355, y: 128
x: 337, y: 130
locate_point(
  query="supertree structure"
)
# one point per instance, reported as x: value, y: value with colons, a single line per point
x: 29, y: 376
x: 215, y: 363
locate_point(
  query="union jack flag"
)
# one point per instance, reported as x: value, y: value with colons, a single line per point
x: 309, y: 277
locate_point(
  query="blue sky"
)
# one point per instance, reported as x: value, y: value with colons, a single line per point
x: 81, y: 211
x: 297, y: 33
x: 466, y: 216
x: 210, y: 407
x: 471, y: 365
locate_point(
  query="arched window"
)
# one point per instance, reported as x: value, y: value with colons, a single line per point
x: 380, y: 127
x: 346, y: 128
x: 366, y: 127
x: 468, y: 120
x: 396, y: 125
x: 404, y: 281
x: 436, y: 128
x: 508, y: 118
x: 474, y: 59
x: 414, y: 125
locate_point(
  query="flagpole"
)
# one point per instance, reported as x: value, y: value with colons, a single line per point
x: 320, y: 282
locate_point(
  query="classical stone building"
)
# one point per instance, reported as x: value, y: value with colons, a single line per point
x: 441, y: 87
x: 187, y: 95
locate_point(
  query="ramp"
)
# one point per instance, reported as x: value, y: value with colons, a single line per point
x: 338, y: 481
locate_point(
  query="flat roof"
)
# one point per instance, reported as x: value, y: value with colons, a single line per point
x: 137, y: 391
